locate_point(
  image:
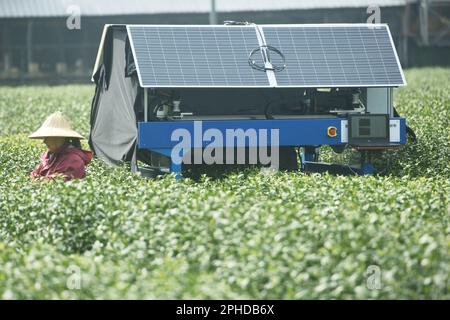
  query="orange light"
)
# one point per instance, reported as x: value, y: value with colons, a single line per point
x: 332, y: 132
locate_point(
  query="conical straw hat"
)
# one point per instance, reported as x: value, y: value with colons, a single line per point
x: 55, y: 125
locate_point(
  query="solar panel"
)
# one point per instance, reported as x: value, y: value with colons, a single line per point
x: 195, y: 56
x: 334, y: 55
x: 350, y: 55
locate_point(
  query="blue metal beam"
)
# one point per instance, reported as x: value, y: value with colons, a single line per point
x: 298, y: 132
x: 291, y: 132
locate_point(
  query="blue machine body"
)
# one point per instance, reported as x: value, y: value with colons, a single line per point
x: 157, y: 136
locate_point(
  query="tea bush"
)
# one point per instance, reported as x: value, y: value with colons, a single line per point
x: 249, y: 235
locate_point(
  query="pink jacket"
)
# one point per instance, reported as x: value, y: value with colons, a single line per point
x: 68, y: 161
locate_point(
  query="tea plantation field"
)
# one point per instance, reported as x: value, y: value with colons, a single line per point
x: 282, y: 236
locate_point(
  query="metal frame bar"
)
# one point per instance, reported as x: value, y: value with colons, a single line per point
x: 262, y: 44
x: 423, y: 21
x: 145, y: 104
x: 325, y: 25
x: 396, y: 57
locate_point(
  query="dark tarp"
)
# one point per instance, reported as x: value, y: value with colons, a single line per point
x: 113, y: 121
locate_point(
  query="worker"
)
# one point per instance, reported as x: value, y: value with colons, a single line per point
x: 64, y: 156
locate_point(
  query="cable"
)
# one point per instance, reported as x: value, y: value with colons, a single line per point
x: 409, y: 130
x: 237, y: 23
x: 351, y: 169
x: 255, y: 66
x: 263, y: 48
x: 267, y: 108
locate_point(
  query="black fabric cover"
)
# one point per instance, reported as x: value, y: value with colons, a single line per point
x: 113, y: 133
x: 130, y: 67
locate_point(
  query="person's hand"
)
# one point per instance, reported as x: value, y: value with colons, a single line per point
x: 58, y: 175
x: 39, y: 179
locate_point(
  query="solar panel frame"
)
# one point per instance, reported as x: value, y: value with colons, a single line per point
x: 247, y: 76
x: 268, y: 75
x: 311, y: 83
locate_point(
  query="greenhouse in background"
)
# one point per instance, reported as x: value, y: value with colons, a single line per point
x: 42, y: 41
